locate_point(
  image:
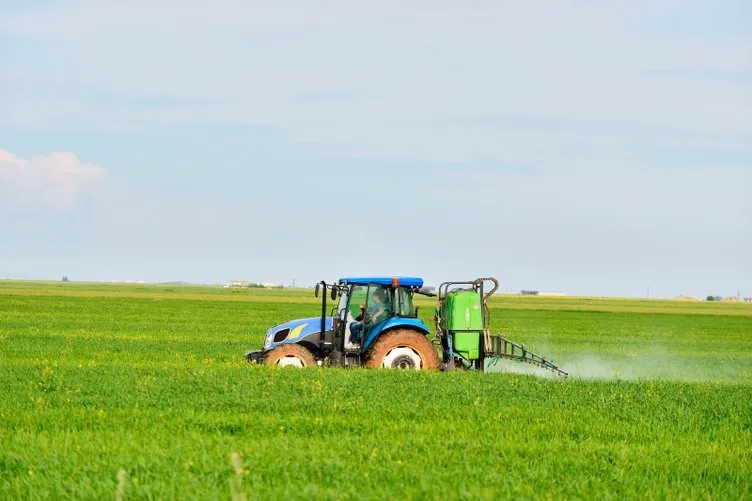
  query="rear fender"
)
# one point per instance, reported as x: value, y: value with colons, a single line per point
x: 394, y: 323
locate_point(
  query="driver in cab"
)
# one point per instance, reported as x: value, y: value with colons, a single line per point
x: 375, y: 314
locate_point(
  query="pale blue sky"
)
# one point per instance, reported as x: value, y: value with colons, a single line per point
x: 587, y: 147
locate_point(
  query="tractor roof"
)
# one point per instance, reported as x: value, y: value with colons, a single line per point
x: 403, y: 281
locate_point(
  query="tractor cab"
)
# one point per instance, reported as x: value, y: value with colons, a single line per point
x: 368, y: 305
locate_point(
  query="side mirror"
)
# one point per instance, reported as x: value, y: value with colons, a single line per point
x: 316, y: 290
x: 334, y: 292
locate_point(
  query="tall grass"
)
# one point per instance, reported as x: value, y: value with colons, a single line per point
x: 142, y: 392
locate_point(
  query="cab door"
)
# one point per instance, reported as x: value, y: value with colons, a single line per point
x: 379, y: 307
x: 358, y: 296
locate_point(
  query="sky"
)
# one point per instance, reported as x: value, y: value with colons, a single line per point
x: 594, y: 148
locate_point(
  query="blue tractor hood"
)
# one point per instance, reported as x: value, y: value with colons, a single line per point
x: 295, y: 330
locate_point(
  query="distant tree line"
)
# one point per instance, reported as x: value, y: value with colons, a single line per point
x: 250, y: 285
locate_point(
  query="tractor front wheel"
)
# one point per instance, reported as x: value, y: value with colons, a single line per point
x: 290, y: 355
x: 403, y: 349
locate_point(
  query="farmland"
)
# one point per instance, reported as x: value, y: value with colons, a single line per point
x: 142, y: 390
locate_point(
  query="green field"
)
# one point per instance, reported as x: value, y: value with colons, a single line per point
x: 142, y: 391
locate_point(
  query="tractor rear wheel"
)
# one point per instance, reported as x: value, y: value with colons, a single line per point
x: 290, y: 355
x: 403, y: 349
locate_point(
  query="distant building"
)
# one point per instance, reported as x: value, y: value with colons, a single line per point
x: 542, y: 293
x: 239, y: 283
x: 686, y: 298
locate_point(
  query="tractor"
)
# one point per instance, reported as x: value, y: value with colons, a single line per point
x: 375, y: 324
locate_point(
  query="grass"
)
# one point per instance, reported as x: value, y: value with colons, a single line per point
x: 142, y: 392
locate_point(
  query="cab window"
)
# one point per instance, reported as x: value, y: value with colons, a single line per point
x: 404, y: 303
x: 379, y: 306
x: 357, y: 298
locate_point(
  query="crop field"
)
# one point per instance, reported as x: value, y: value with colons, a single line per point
x: 142, y: 392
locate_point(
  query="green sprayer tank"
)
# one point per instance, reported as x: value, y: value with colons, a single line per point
x: 463, y: 316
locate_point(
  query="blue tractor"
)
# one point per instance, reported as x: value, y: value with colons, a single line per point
x: 375, y: 324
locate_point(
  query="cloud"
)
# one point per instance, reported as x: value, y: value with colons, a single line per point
x: 56, y: 181
x: 530, y: 84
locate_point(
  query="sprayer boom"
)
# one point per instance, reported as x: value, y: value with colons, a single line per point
x: 501, y: 347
